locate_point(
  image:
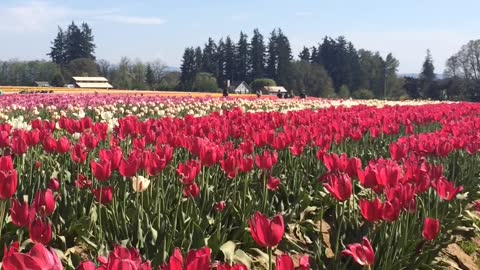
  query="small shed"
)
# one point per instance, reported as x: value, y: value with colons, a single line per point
x: 240, y: 88
x: 92, y: 82
x: 42, y: 84
x: 273, y: 90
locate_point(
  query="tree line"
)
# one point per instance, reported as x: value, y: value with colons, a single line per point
x: 332, y: 68
x: 73, y: 54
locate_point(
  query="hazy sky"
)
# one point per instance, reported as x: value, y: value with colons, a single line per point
x: 162, y: 29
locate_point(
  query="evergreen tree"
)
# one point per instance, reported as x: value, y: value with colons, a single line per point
x: 284, y: 56
x: 314, y: 56
x: 188, y: 69
x: 272, y: 61
x: 87, y: 46
x: 304, y: 54
x: 229, y: 53
x: 242, y: 66
x: 220, y: 61
x: 74, y: 41
x: 427, y: 78
x: 209, y: 64
x: 257, y: 56
x: 57, y: 51
x: 150, y: 77
x: 198, y: 59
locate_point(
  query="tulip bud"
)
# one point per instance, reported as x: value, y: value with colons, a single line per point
x: 53, y: 184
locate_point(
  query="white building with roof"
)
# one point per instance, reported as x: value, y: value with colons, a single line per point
x: 92, y: 82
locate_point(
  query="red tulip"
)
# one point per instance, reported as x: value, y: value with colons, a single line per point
x: 284, y: 262
x: 53, y: 184
x: 4, y: 139
x: 103, y: 195
x: 431, y: 228
x: 101, y: 170
x: 82, y: 182
x: 175, y: 262
x: 63, y: 145
x: 43, y: 202
x: 339, y: 186
x: 88, y: 265
x: 266, y: 232
x: 49, y: 144
x: 362, y: 254
x: 220, y: 206
x: 188, y: 171
x: 192, y: 190
x: 129, y: 167
x: 19, y: 212
x: 196, y: 260
x: 266, y: 161
x: 19, y: 145
x: 273, y: 183
x: 231, y: 267
x: 304, y: 262
x: 446, y: 190
x: 40, y: 231
x: 126, y: 259
x: 8, y: 183
x: 78, y: 154
x: 391, y: 210
x: 476, y: 205
x: 38, y: 258
x: 371, y: 211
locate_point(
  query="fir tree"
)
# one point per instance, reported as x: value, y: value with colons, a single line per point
x: 209, y: 64
x: 272, y: 61
x: 242, y: 62
x: 257, y: 56
x: 150, y: 77
x: 57, y: 51
x: 229, y: 59
x: 304, y: 54
x: 188, y: 70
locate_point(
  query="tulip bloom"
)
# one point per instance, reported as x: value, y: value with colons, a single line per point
x: 339, y: 186
x: 266, y: 232
x: 196, y: 260
x: 192, y: 190
x: 140, y: 183
x: 284, y: 262
x: 38, y: 258
x: 304, y: 262
x: 128, y: 259
x: 43, y: 202
x: 445, y: 189
x: 103, y: 195
x: 220, y: 206
x: 86, y: 266
x: 362, y: 254
x: 233, y: 267
x: 8, y: 184
x: 188, y: 171
x: 431, y: 228
x: 19, y: 212
x: 266, y: 161
x: 53, y: 184
x: 40, y: 231
x: 273, y: 183
x: 371, y: 211
x: 101, y: 170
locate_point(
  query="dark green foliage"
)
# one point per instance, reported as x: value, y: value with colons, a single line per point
x: 205, y: 82
x: 257, y: 55
x: 258, y: 84
x: 304, y: 54
x: 242, y: 58
x: 189, y: 70
x: 150, y: 77
x: 312, y: 80
x: 229, y: 54
x: 57, y: 80
x: 363, y: 94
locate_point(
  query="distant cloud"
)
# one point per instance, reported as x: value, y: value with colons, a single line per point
x: 132, y: 19
x: 302, y: 13
x: 34, y: 16
x: 41, y: 16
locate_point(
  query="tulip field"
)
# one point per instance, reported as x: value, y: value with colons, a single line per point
x: 108, y: 182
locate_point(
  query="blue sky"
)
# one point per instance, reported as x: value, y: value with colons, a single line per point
x: 159, y: 29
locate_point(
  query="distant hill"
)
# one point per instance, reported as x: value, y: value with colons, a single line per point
x: 173, y: 69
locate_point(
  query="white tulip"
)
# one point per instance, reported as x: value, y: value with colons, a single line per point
x: 140, y: 183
